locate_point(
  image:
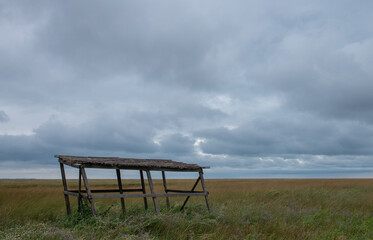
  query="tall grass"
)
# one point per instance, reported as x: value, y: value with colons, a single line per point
x: 241, y: 209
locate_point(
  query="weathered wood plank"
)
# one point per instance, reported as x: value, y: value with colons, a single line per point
x: 184, y: 191
x: 121, y: 191
x: 79, y: 190
x: 165, y: 188
x: 187, y: 199
x: 204, y: 189
x: 64, y: 183
x: 75, y: 194
x: 128, y: 163
x: 184, y: 194
x: 85, y: 180
x: 108, y: 190
x: 143, y: 189
x: 153, y: 195
x: 147, y: 195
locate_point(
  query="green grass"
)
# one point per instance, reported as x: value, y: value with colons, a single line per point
x: 241, y: 209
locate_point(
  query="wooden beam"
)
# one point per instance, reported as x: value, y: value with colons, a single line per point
x: 128, y: 163
x: 153, y: 195
x: 184, y: 194
x: 143, y: 189
x: 121, y: 191
x: 85, y: 180
x: 165, y: 188
x: 204, y: 189
x: 75, y: 194
x: 186, y: 200
x: 155, y: 201
x: 91, y: 165
x: 80, y: 190
x: 184, y: 191
x: 108, y: 190
x: 64, y: 183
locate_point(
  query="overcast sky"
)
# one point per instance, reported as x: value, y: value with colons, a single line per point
x: 250, y: 88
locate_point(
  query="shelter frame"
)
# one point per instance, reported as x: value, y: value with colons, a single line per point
x: 142, y: 165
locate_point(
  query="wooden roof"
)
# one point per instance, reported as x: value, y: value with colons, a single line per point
x: 127, y: 163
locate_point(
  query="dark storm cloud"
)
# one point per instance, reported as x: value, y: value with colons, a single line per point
x: 244, y: 84
x: 290, y: 136
x: 92, y: 137
x: 102, y: 136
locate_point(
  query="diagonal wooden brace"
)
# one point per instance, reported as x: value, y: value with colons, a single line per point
x: 89, y: 194
x: 186, y: 200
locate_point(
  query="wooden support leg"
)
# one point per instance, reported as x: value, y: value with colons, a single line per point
x: 85, y: 180
x: 121, y: 191
x: 186, y: 200
x: 165, y: 188
x: 143, y: 189
x: 79, y: 190
x: 204, y: 189
x: 67, y: 200
x: 155, y: 201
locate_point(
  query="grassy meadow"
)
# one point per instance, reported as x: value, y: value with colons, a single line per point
x: 240, y: 209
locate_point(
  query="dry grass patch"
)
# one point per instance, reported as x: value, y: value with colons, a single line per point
x: 241, y: 209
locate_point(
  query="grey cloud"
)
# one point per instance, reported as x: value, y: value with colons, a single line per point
x: 130, y: 136
x: 177, y: 143
x: 55, y: 138
x: 3, y: 117
x: 100, y: 134
x: 162, y: 45
x: 327, y: 83
x: 282, y: 136
x: 23, y: 148
x: 266, y: 84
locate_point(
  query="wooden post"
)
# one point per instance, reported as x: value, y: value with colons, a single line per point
x: 85, y: 180
x: 155, y: 201
x: 204, y: 189
x: 143, y: 189
x: 165, y: 188
x: 186, y: 200
x: 121, y: 191
x: 67, y: 200
x: 79, y: 190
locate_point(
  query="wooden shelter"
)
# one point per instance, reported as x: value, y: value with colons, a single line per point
x: 119, y: 164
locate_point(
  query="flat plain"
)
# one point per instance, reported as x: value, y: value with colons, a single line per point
x: 240, y: 209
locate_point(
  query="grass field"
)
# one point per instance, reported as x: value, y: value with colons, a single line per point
x: 241, y: 209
